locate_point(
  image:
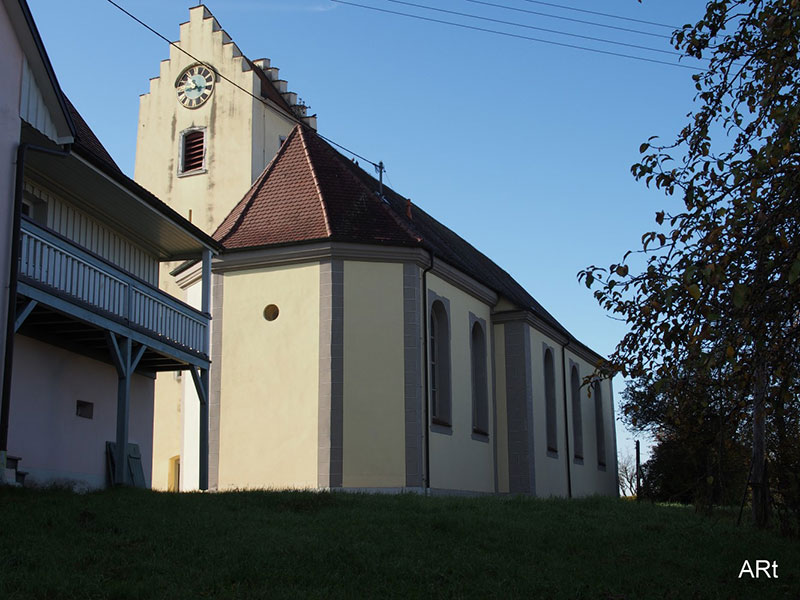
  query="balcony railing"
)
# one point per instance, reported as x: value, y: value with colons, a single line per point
x: 54, y: 263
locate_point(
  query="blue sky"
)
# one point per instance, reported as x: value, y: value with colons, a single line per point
x: 523, y: 148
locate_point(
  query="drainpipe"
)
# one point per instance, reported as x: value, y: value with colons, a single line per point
x: 566, y: 417
x: 425, y: 428
x: 11, y: 315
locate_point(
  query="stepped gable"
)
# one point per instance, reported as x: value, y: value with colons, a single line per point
x: 270, y: 86
x: 310, y: 192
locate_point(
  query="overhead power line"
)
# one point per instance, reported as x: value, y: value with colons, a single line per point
x: 236, y: 85
x: 555, y: 31
x: 601, y: 14
x: 518, y: 36
x: 570, y: 19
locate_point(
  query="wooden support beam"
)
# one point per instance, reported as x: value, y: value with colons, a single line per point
x: 23, y: 314
x: 125, y: 360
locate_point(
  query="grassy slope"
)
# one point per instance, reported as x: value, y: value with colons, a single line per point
x: 131, y: 543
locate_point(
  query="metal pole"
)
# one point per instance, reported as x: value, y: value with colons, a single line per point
x: 638, y: 470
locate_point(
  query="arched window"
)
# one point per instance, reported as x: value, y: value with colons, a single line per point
x: 577, y: 417
x: 550, y: 400
x: 599, y: 425
x: 440, y: 365
x: 480, y: 397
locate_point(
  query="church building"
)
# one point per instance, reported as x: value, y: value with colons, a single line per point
x: 356, y: 342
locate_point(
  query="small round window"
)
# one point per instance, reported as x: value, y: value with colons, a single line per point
x: 271, y: 312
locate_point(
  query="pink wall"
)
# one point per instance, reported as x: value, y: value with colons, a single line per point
x: 11, y: 76
x: 44, y: 430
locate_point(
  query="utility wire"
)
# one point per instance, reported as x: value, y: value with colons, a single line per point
x: 233, y: 83
x: 592, y: 12
x: 555, y: 31
x: 592, y: 23
x: 518, y: 36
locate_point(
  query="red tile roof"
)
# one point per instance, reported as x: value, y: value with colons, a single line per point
x: 310, y: 192
x: 86, y: 141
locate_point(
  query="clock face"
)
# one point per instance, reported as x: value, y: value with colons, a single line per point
x: 195, y: 86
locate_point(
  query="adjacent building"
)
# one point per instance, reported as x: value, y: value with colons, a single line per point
x: 86, y: 327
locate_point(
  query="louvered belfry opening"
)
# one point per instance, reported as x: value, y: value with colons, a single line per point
x: 192, y: 151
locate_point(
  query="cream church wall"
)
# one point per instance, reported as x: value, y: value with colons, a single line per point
x: 167, y: 426
x: 54, y: 443
x: 190, y: 413
x: 374, y: 410
x: 587, y: 478
x: 457, y: 461
x: 270, y: 379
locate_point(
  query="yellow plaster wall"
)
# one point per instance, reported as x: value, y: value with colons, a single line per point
x: 457, y: 461
x: 502, y: 407
x: 167, y: 427
x: 374, y: 402
x: 270, y: 381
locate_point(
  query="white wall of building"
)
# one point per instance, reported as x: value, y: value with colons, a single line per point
x: 54, y: 443
x: 11, y: 75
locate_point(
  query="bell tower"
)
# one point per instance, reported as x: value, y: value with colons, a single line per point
x: 202, y: 140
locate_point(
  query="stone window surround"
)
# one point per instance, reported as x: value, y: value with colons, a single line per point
x: 478, y: 433
x: 445, y: 425
x: 577, y: 415
x: 182, y: 149
x: 599, y: 426
x: 551, y: 415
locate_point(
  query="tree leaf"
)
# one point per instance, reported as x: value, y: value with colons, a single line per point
x: 740, y: 295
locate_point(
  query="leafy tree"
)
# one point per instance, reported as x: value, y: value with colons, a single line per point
x: 700, y: 454
x: 720, y: 290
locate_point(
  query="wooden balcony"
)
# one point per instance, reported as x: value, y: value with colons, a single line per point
x: 79, y: 296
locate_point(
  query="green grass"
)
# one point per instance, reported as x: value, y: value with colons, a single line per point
x: 128, y: 543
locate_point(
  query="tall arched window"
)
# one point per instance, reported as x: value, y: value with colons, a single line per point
x: 599, y: 425
x: 480, y: 397
x: 440, y: 365
x: 577, y: 416
x: 550, y: 400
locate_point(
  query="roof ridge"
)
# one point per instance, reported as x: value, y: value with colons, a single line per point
x: 316, y: 182
x: 257, y: 185
x: 348, y: 167
x: 400, y: 221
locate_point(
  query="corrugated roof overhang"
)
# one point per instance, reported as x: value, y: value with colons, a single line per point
x: 140, y: 216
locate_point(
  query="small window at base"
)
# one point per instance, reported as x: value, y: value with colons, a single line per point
x: 84, y: 409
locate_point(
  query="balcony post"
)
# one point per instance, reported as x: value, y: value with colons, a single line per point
x: 200, y: 378
x: 126, y: 362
